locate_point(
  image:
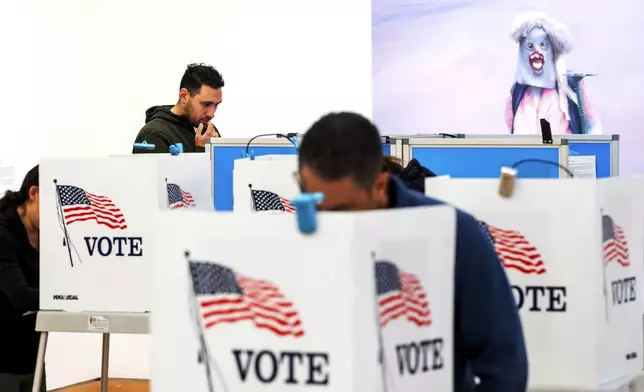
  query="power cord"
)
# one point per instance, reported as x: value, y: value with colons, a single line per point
x: 288, y: 136
x: 544, y: 161
x: 509, y: 175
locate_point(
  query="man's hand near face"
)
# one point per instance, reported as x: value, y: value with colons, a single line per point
x: 201, y: 137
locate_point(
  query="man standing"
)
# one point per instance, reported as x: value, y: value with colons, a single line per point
x: 187, y: 122
x: 341, y: 157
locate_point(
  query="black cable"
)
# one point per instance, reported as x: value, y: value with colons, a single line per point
x: 447, y: 135
x: 268, y: 134
x: 521, y: 162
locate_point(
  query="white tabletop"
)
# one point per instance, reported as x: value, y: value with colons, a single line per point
x: 104, y: 322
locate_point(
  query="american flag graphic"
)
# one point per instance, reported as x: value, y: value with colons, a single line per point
x: 400, y: 295
x: 270, y: 201
x: 514, y: 250
x: 79, y: 205
x: 615, y: 244
x: 178, y: 198
x: 226, y: 296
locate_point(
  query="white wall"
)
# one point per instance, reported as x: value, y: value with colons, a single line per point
x: 77, y: 76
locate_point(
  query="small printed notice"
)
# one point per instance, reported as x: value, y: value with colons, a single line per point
x: 583, y: 166
x: 98, y: 324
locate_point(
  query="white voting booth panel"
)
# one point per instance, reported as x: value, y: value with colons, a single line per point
x: 245, y: 302
x: 96, y: 224
x: 573, y: 252
x: 265, y: 184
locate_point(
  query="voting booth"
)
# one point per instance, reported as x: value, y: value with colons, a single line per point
x: 599, y: 151
x: 265, y: 184
x: 245, y: 302
x: 96, y: 223
x: 573, y: 252
x: 225, y: 151
x: 482, y: 156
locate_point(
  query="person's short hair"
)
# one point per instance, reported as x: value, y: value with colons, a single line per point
x: 341, y: 145
x: 393, y: 164
x: 198, y: 75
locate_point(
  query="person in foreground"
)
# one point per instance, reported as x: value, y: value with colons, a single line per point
x: 341, y: 156
x: 188, y: 121
x: 19, y: 282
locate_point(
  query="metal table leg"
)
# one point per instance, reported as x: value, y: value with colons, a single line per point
x: 40, y: 362
x: 105, y: 362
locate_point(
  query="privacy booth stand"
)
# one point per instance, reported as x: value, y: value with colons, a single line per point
x: 224, y: 152
x: 248, y: 303
x: 96, y: 232
x: 572, y: 250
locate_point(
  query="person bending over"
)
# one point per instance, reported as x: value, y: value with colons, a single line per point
x: 413, y: 175
x: 188, y: 121
x: 19, y: 282
x: 341, y: 156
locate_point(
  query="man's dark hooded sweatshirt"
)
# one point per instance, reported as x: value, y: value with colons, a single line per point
x: 164, y: 128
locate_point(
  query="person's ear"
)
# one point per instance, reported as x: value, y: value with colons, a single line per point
x: 184, y: 95
x: 381, y: 186
x: 33, y: 193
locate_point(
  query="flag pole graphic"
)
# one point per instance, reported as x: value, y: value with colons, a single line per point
x: 59, y: 203
x: 603, y: 259
x: 204, y: 354
x: 166, y: 192
x: 253, y: 206
x: 381, y: 350
x: 606, y: 301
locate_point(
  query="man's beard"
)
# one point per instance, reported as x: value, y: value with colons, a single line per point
x: 190, y: 115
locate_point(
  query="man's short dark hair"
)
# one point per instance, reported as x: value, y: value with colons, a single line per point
x: 198, y: 75
x: 341, y: 145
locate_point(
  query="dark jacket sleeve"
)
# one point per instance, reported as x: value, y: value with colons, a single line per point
x: 161, y: 145
x: 13, y: 283
x: 489, y: 319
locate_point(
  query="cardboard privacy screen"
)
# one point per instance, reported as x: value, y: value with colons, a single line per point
x: 572, y: 250
x: 253, y: 305
x: 265, y: 184
x: 96, y: 224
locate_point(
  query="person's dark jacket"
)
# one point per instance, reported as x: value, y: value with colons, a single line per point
x: 414, y: 175
x: 488, y: 336
x: 19, y: 282
x: 164, y: 128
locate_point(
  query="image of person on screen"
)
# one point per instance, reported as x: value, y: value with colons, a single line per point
x: 544, y: 88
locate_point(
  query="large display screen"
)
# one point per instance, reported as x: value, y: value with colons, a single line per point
x: 494, y: 67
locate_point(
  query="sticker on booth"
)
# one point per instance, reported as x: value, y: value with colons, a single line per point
x: 412, y: 352
x: 179, y: 197
x: 623, y: 286
x: 77, y: 205
x: 400, y: 295
x: 514, y: 250
x: 518, y: 254
x: 222, y: 295
x: 263, y: 200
